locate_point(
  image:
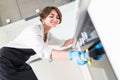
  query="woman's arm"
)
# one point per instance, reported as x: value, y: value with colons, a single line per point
x: 73, y: 55
x: 59, y: 54
x: 62, y: 53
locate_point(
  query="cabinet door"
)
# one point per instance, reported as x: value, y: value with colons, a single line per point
x: 100, y: 69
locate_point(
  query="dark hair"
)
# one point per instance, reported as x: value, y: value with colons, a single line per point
x: 46, y: 11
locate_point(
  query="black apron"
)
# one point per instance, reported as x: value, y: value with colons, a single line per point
x: 13, y: 66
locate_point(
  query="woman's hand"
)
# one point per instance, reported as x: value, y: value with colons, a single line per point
x: 68, y: 42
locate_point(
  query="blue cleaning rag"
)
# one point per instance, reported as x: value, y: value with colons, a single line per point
x: 75, y: 56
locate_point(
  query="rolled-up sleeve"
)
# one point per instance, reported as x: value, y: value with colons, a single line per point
x: 44, y: 52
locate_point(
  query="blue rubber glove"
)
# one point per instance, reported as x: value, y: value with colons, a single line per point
x: 75, y: 56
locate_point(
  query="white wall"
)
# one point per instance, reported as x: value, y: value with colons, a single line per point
x: 59, y: 69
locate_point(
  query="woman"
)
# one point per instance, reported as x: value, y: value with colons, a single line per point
x: 32, y: 40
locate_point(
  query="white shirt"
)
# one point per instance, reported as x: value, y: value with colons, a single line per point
x: 32, y: 38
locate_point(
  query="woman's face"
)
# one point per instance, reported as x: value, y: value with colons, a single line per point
x: 52, y: 19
